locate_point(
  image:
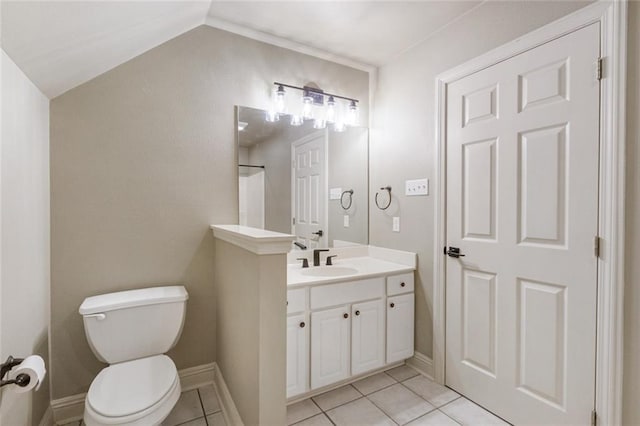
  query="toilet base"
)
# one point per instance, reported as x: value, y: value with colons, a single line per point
x: 151, y: 416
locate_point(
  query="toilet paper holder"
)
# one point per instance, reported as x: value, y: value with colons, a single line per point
x: 21, y: 380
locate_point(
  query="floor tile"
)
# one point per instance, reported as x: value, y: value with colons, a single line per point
x: 301, y: 410
x: 400, y: 403
x: 466, y: 412
x: 436, y: 394
x: 374, y: 383
x: 216, y: 419
x: 317, y: 420
x: 73, y: 423
x: 359, y: 412
x: 187, y: 408
x: 402, y: 373
x: 331, y: 399
x: 434, y: 418
x: 209, y: 399
x: 197, y: 422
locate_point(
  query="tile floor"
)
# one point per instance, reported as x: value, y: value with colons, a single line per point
x: 197, y: 407
x: 400, y: 396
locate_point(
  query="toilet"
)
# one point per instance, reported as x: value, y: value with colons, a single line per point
x: 131, y: 331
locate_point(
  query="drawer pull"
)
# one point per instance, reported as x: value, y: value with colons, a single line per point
x: 402, y: 284
x: 302, y: 324
x: 357, y: 312
x: 345, y: 316
x: 392, y: 304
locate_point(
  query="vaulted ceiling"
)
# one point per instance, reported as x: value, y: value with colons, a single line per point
x: 62, y: 44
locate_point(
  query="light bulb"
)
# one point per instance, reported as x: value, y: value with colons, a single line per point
x: 307, y: 106
x: 280, y: 104
x: 296, y: 120
x: 319, y: 123
x: 352, y: 114
x: 330, y: 115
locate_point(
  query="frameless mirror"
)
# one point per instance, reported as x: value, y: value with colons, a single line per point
x: 312, y: 183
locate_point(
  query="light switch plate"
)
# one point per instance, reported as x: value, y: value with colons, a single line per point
x: 396, y: 224
x: 335, y: 193
x: 416, y: 187
x: 345, y: 221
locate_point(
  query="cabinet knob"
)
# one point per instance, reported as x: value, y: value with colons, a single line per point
x: 346, y: 316
x: 402, y: 284
x: 392, y: 304
x: 357, y: 312
x: 287, y: 303
x: 302, y: 324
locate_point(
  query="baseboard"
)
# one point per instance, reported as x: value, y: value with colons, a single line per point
x: 229, y: 410
x: 47, y: 417
x: 194, y: 377
x: 71, y: 408
x: 422, y: 363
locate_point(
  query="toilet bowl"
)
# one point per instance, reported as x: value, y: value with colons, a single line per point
x: 131, y: 330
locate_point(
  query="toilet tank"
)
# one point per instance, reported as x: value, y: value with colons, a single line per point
x: 134, y: 324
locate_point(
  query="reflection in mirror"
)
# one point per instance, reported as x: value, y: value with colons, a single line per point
x: 312, y: 183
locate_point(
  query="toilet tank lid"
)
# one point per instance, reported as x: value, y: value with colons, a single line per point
x: 133, y: 298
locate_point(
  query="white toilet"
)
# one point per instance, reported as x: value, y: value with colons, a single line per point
x: 131, y: 330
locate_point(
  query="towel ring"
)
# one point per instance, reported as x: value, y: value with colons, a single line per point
x: 342, y: 203
x: 388, y: 189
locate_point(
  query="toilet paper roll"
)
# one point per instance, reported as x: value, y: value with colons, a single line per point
x: 33, y: 366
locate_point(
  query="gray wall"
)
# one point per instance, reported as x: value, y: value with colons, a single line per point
x: 24, y: 225
x: 631, y: 408
x: 402, y: 137
x: 143, y: 159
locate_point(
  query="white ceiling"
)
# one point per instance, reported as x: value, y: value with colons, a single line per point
x: 62, y: 44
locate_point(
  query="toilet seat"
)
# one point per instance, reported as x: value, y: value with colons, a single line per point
x: 141, y: 391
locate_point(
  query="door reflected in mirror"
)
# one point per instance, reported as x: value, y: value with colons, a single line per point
x: 312, y: 183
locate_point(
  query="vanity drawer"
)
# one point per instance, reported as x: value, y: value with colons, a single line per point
x: 346, y: 292
x: 398, y: 284
x: 296, y: 300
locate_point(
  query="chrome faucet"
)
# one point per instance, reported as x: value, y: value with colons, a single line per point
x: 316, y: 256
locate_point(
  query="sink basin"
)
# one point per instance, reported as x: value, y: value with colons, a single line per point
x: 329, y: 271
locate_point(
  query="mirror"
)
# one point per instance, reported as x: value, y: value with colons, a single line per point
x: 312, y: 183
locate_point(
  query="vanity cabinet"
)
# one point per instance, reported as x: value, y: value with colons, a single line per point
x: 400, y: 323
x: 367, y: 336
x: 353, y: 327
x: 330, y: 342
x: 297, y: 354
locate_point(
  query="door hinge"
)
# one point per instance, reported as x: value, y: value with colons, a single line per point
x: 293, y: 220
x: 599, y: 64
x: 596, y: 246
x: 594, y: 418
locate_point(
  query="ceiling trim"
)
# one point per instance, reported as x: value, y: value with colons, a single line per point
x: 286, y: 43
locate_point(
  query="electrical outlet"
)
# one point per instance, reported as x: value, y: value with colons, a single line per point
x: 345, y: 221
x: 416, y: 187
x: 396, y: 224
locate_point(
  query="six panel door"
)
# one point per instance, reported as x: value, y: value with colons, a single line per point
x: 522, y: 206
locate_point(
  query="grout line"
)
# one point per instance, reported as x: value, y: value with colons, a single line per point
x: 202, y: 407
x: 449, y: 416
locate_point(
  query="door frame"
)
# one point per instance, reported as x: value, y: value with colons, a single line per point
x: 612, y: 17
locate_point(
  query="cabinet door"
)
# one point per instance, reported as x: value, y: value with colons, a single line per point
x: 329, y: 346
x: 297, y: 355
x: 367, y: 336
x: 400, y: 323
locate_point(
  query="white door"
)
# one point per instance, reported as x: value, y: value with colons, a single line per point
x: 400, y: 324
x: 367, y: 336
x: 522, y: 197
x: 309, y: 190
x: 297, y: 355
x: 330, y: 340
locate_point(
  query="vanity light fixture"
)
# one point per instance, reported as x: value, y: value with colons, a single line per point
x: 313, y: 106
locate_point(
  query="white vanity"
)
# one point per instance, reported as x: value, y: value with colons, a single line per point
x: 350, y: 318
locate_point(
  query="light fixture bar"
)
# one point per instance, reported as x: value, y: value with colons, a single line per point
x: 311, y: 89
